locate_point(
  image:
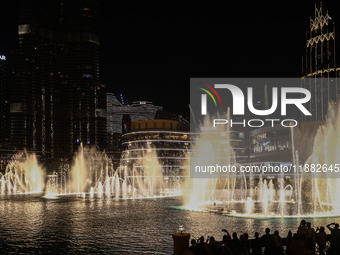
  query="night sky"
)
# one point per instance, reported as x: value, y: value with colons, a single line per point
x: 150, y: 53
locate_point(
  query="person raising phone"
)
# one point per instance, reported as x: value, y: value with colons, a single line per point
x: 335, y: 238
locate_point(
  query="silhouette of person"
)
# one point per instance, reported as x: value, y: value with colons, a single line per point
x: 335, y: 238
x: 256, y: 245
x: 245, y: 244
x: 310, y: 237
x: 268, y: 243
x: 235, y: 245
x: 321, y: 239
x: 302, y: 229
x: 289, y: 241
x: 225, y: 245
x: 277, y: 243
x: 201, y: 246
x: 193, y: 247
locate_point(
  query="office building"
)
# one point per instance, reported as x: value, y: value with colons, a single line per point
x: 57, y: 100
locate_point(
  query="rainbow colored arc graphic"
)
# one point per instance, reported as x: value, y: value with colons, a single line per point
x: 211, y: 95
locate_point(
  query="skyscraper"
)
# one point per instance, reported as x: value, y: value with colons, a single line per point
x: 57, y: 100
x: 4, y: 103
x: 320, y: 62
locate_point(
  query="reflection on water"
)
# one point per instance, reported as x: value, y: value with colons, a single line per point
x: 31, y: 225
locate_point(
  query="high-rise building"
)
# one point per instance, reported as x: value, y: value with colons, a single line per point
x: 119, y: 118
x: 57, y: 100
x: 4, y: 103
x: 320, y: 62
x: 138, y: 110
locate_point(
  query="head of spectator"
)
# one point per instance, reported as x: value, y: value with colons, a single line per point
x: 290, y: 234
x: 193, y: 242
x: 201, y: 239
x: 235, y: 235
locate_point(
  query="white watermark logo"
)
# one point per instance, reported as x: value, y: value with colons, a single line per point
x: 239, y: 101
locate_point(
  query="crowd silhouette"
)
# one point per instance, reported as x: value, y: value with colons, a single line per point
x: 306, y: 240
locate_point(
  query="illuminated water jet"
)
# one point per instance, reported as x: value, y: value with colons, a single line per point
x: 300, y: 194
x: 91, y: 176
x: 23, y: 175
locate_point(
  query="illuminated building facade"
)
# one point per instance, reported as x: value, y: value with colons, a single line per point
x: 57, y: 100
x: 138, y: 110
x: 271, y: 144
x: 320, y: 62
x: 119, y: 118
x: 168, y: 139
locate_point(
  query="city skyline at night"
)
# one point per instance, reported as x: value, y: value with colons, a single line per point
x: 144, y: 53
x: 131, y: 130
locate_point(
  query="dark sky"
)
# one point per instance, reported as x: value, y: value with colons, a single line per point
x: 150, y: 54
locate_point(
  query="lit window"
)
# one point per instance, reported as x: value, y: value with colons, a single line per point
x: 87, y: 76
x: 24, y: 29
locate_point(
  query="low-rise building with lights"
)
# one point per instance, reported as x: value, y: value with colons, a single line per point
x: 167, y: 141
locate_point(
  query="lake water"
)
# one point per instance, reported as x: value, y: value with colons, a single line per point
x: 34, y: 225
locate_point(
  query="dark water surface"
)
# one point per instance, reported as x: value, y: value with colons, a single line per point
x: 33, y: 225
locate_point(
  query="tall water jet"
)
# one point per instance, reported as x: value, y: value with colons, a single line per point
x: 79, y: 172
x: 22, y: 175
x: 299, y: 193
x: 91, y: 175
x: 152, y: 172
x: 325, y: 185
x: 91, y: 169
x: 211, y: 147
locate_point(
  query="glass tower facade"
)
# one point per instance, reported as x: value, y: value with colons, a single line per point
x: 57, y: 100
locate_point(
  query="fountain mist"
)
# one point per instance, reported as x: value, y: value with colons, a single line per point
x: 91, y: 176
x: 23, y: 175
x: 257, y: 195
